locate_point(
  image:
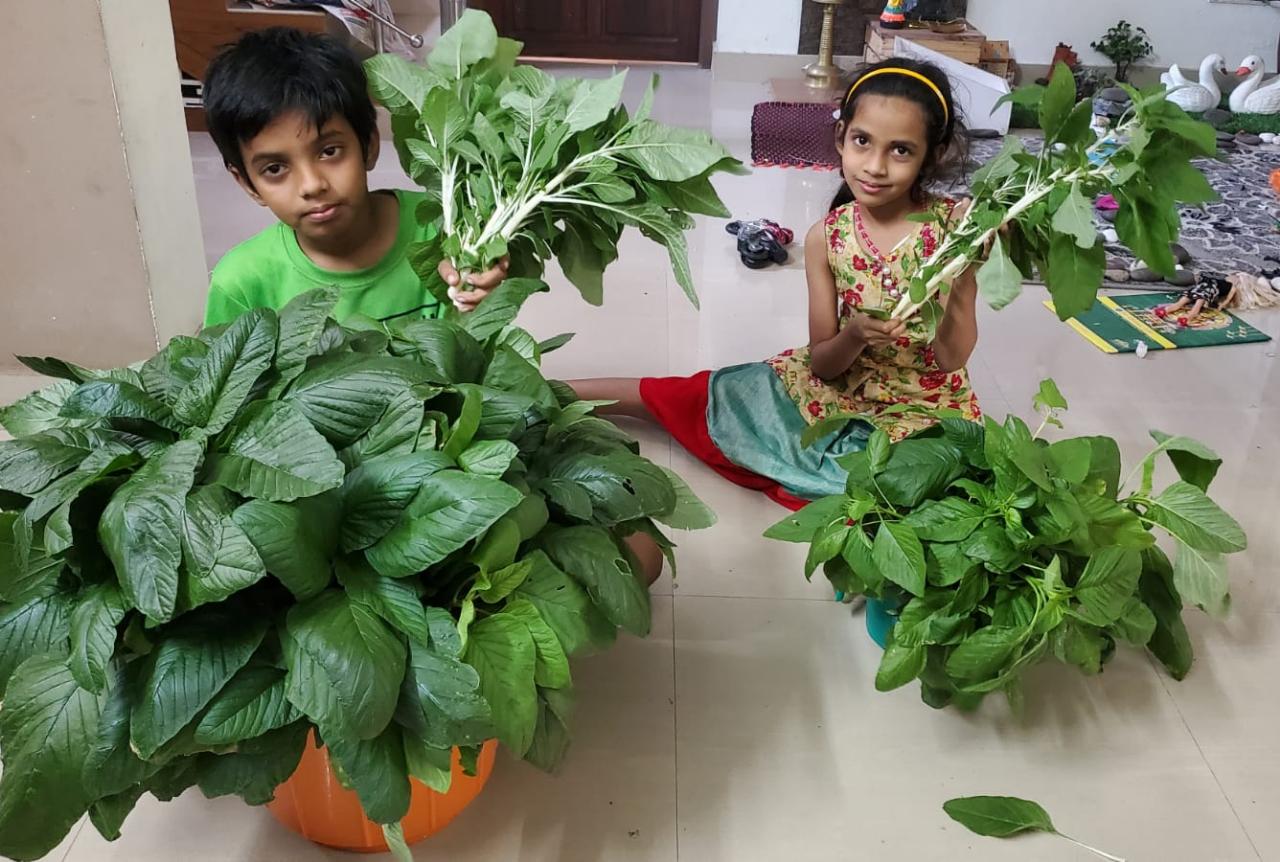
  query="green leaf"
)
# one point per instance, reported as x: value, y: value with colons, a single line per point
x: 377, y: 771
x: 302, y: 322
x: 219, y: 558
x: 376, y: 494
x: 565, y: 606
x: 801, y: 526
x: 1049, y: 397
x: 46, y: 727
x: 1059, y: 99
x: 432, y: 766
x: 1170, y: 643
x: 40, y: 625
x: 998, y: 816
x: 1074, y: 217
x: 877, y: 451
x: 488, y: 457
x: 500, y: 308
x: 468, y: 422
x: 28, y: 465
x: 343, y: 399
x: 94, y: 619
x: 252, y: 703
x: 594, y: 101
x: 984, y: 653
x: 114, y: 399
x: 689, y: 513
x: 1190, y: 516
x: 108, y: 814
x: 1069, y: 460
x: 451, y: 509
x: 919, y: 468
x: 999, y: 278
x: 141, y: 529
x: 441, y: 702
x: 111, y: 766
x: 1136, y: 624
x: 400, y: 85
x: 38, y: 412
x: 234, y: 362
x: 392, y: 599
x: 899, y: 556
x: 669, y: 153
x: 1074, y: 275
x: 552, y: 667
x: 393, y: 833
x: 256, y: 768
x: 503, y: 652
x: 276, y: 455
x: 189, y: 665
x: 295, y: 540
x: 448, y: 354
x: 1201, y: 578
x: 1108, y: 582
x: 951, y: 519
x: 1004, y: 164
x: 899, y: 666
x: 361, y: 663
x: 1143, y: 227
x: 471, y: 39
x: 622, y: 486
x: 551, y: 737
x: 1195, y: 462
x: 591, y: 557
x: 1104, y: 464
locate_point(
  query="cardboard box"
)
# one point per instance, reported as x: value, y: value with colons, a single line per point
x: 965, y: 46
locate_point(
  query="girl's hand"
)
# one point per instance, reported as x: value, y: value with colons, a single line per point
x: 478, y: 286
x: 877, y: 333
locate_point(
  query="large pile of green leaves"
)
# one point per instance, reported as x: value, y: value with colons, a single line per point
x: 999, y: 549
x: 393, y: 534
x: 516, y: 162
x: 1034, y: 211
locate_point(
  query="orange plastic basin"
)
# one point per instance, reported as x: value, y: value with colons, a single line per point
x: 315, y: 805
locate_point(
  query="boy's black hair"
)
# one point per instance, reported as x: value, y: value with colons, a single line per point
x: 266, y: 73
x: 944, y: 127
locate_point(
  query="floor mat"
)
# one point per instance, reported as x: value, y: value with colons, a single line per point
x: 1117, y: 324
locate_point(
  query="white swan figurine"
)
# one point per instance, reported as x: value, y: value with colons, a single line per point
x: 1192, y: 97
x: 1251, y: 97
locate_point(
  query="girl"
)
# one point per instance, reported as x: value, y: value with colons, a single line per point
x: 897, y: 121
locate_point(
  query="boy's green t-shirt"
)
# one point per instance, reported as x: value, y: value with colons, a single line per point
x: 270, y: 269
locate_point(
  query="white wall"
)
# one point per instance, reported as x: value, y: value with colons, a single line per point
x: 758, y: 26
x: 1182, y: 31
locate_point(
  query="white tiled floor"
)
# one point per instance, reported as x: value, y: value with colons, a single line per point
x: 746, y: 728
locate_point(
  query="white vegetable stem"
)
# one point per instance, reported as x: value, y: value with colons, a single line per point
x: 1037, y: 191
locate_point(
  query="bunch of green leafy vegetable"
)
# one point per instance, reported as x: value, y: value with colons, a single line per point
x: 516, y: 162
x: 393, y: 534
x: 998, y: 548
x: 1035, y: 211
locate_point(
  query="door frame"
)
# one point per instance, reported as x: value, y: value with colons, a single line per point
x: 707, y: 32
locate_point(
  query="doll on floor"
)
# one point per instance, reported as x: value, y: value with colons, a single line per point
x: 1240, y: 290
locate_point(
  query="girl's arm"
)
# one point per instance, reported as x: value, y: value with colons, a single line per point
x: 832, y: 351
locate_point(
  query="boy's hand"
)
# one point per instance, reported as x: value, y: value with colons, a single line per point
x: 478, y: 286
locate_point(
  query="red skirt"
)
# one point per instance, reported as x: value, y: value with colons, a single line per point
x: 680, y: 404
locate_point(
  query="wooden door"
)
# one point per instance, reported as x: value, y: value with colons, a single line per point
x: 670, y: 31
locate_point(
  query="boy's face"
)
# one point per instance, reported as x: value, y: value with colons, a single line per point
x: 314, y: 180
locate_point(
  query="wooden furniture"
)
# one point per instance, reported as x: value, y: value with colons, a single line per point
x: 965, y: 46
x: 666, y: 31
x: 202, y: 27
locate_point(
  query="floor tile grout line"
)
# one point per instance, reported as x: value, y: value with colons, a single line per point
x: 675, y: 729
x: 79, y: 828
x: 1203, y: 757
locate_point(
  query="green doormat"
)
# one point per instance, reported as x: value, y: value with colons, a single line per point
x: 1116, y: 325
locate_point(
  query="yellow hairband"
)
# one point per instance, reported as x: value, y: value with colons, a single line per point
x: 910, y: 73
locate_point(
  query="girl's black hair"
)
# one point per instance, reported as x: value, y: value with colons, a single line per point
x: 944, y: 128
x: 269, y: 72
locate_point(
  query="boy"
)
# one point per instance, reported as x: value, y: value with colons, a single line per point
x: 291, y: 115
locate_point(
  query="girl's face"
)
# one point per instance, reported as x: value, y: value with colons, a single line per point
x: 883, y: 148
